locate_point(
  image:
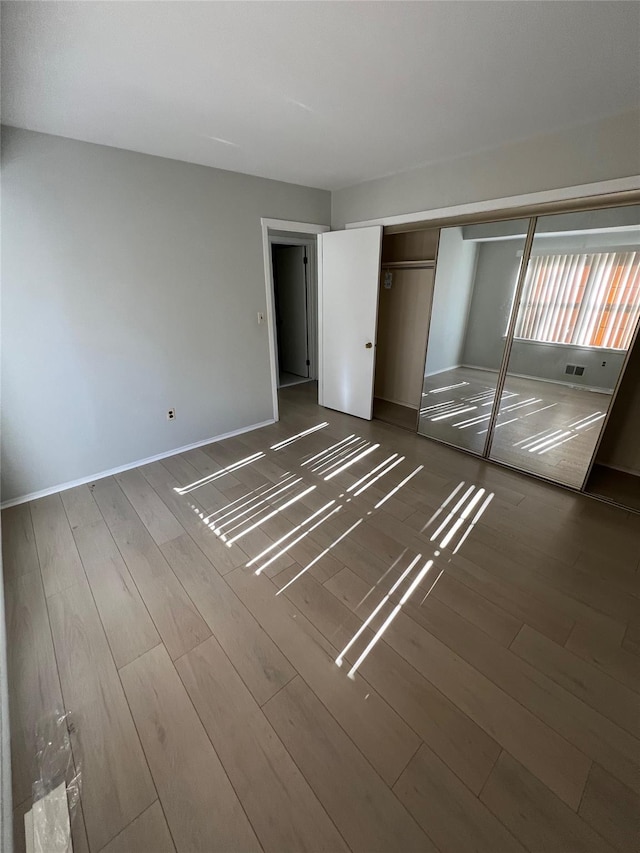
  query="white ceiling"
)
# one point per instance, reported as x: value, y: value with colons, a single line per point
x: 317, y: 93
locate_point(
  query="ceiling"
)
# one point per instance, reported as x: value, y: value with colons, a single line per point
x: 317, y: 93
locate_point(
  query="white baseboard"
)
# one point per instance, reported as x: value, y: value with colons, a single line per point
x: 444, y: 370
x: 562, y: 382
x: 52, y: 490
x: 479, y: 367
x: 593, y: 388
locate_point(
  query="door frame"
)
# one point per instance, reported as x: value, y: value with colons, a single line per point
x: 294, y: 232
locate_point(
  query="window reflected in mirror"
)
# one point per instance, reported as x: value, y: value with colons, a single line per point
x: 577, y: 315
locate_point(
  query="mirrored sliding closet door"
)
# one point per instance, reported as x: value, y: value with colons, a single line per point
x: 577, y: 312
x: 476, y: 276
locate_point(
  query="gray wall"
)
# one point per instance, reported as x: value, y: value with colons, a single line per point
x: 131, y: 284
x: 546, y: 361
x: 496, y: 272
x: 451, y: 299
x: 602, y: 150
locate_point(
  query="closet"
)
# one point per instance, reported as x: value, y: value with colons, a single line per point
x: 531, y: 347
x: 404, y: 307
x: 514, y: 339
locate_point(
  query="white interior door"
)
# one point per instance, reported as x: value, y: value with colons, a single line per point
x: 348, y: 312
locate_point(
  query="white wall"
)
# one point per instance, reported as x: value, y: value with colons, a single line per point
x: 599, y: 151
x: 131, y: 284
x: 451, y: 297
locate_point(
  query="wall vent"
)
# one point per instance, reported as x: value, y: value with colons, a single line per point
x: 571, y: 368
x: 579, y: 371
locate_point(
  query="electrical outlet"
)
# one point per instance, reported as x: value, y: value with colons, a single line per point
x: 604, y: 363
x: 171, y: 415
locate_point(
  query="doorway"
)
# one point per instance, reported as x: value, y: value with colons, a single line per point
x: 281, y: 232
x: 292, y: 304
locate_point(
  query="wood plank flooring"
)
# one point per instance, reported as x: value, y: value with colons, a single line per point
x: 548, y: 428
x: 330, y: 635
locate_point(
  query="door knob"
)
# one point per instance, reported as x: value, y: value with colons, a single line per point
x: 368, y: 345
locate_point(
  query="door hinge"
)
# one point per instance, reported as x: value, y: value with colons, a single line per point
x: 305, y: 259
x: 308, y: 363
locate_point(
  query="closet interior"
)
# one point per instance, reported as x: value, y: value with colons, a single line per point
x: 616, y: 470
x: 517, y: 340
x: 404, y: 307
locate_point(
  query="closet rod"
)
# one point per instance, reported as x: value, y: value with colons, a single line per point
x: 408, y: 265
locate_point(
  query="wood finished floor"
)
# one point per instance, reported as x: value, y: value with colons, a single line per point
x: 190, y: 614
x: 546, y: 428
